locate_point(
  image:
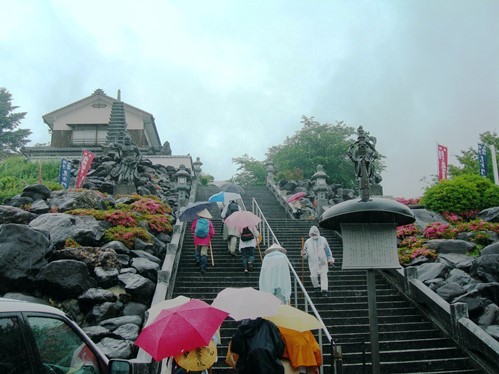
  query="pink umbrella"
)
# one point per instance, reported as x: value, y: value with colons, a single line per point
x: 181, y: 328
x: 242, y: 219
x: 296, y: 197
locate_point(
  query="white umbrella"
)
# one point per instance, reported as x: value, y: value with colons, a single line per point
x: 246, y: 302
x: 154, y: 310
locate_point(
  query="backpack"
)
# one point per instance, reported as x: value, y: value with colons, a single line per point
x: 247, y: 235
x: 202, y: 228
x: 233, y: 207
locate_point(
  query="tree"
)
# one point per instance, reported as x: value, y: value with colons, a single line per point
x: 11, y: 140
x: 250, y: 172
x: 318, y: 144
x: 469, y: 158
x: 206, y: 179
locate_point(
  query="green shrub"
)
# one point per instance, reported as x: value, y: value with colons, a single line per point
x: 17, y: 172
x: 461, y: 194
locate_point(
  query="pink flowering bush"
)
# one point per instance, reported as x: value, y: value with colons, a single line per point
x: 407, y: 230
x: 439, y: 230
x: 412, y: 242
x: 127, y: 235
x: 411, y: 201
x: 407, y: 255
x: 150, y: 205
x: 159, y: 223
x: 126, y: 219
x: 121, y: 218
x: 477, y: 225
x: 452, y: 217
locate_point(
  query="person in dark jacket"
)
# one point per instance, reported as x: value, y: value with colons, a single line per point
x: 260, y: 346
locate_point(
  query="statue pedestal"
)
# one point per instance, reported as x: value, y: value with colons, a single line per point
x: 124, y: 189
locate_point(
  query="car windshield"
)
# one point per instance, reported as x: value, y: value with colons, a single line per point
x: 61, y: 349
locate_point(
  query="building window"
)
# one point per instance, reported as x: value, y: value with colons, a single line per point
x: 88, y: 134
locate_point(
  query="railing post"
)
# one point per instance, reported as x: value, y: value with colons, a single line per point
x: 336, y: 359
x: 457, y: 311
x: 409, y: 274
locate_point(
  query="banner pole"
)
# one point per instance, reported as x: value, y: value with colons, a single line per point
x: 494, y: 163
x: 211, y: 254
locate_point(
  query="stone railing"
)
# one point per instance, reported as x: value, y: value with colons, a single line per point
x: 166, y: 281
x: 451, y: 318
x: 280, y: 198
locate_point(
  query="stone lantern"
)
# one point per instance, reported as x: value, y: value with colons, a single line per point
x: 270, y: 171
x: 320, y: 188
x: 368, y: 228
x: 182, y: 179
x: 196, y: 167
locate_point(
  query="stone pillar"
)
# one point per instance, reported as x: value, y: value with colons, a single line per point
x: 196, y: 167
x: 270, y: 171
x: 320, y: 189
x: 182, y: 179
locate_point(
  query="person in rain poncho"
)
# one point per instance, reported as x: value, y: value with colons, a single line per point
x: 230, y: 234
x: 202, y: 244
x: 247, y: 246
x: 274, y: 274
x: 260, y: 347
x: 318, y: 253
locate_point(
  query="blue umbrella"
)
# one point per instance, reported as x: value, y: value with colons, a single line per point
x: 224, y: 197
x: 189, y: 213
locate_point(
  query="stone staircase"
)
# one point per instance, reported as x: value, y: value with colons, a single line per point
x: 409, y: 341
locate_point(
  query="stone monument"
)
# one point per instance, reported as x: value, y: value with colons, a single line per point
x: 125, y: 173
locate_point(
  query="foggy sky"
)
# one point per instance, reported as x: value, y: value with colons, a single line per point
x: 225, y: 78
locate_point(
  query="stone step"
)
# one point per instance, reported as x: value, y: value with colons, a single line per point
x: 409, y: 342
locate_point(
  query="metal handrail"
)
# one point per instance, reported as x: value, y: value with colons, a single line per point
x: 267, y: 232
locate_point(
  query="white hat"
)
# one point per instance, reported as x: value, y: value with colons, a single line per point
x: 204, y: 213
x: 275, y: 247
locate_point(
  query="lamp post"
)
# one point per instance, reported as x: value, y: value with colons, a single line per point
x: 182, y: 177
x: 270, y: 171
x: 368, y: 227
x: 196, y: 167
x: 320, y: 188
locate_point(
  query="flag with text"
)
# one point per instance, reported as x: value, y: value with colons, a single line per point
x: 65, y: 173
x: 482, y: 159
x: 442, y: 162
x: 86, y: 160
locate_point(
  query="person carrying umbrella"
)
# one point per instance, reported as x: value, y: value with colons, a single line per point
x: 319, y: 255
x: 230, y: 234
x: 203, y: 231
x: 247, y: 244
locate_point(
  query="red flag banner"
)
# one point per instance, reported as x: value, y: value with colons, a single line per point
x: 86, y: 160
x: 442, y: 162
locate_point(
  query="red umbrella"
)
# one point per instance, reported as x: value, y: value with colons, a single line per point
x: 181, y: 328
x: 296, y: 197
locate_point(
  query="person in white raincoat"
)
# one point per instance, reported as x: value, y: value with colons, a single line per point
x: 318, y: 253
x: 274, y: 274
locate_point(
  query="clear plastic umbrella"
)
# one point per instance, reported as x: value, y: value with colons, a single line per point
x: 246, y: 302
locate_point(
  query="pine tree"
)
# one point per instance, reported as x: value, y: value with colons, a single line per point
x: 11, y: 138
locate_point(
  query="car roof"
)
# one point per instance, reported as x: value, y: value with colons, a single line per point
x: 12, y: 305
